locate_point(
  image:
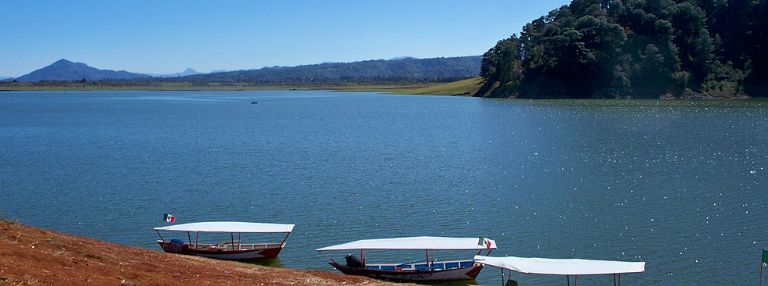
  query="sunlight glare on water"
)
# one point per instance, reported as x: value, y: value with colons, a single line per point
x: 678, y: 185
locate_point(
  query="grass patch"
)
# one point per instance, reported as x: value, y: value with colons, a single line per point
x: 463, y: 87
x: 4, y: 220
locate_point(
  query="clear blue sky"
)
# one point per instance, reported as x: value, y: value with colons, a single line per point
x: 169, y: 36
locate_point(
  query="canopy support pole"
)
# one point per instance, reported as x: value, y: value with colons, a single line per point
x: 761, y: 273
x: 282, y: 243
x: 232, y: 237
x: 197, y: 240
x: 568, y: 280
x: 163, y: 239
x: 426, y: 253
x: 362, y: 256
x: 189, y: 237
x: 502, y: 276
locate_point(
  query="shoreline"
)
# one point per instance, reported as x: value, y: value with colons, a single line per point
x: 467, y: 87
x: 464, y: 87
x: 35, y: 256
x: 197, y: 87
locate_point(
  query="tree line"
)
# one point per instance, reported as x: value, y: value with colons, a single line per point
x: 635, y: 49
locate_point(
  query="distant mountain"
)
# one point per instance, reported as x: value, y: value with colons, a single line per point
x: 186, y: 72
x: 372, y: 71
x: 64, y: 70
x: 6, y: 78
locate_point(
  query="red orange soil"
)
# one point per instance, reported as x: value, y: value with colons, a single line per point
x: 33, y: 256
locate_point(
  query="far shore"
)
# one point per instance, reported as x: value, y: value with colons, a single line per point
x: 196, y: 87
x: 464, y: 87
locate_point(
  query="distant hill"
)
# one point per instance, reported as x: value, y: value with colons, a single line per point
x: 398, y: 70
x: 371, y: 71
x: 6, y: 78
x: 186, y: 72
x: 64, y: 70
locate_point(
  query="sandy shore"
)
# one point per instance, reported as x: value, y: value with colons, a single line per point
x: 33, y: 256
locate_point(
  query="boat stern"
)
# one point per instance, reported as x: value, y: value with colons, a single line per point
x: 172, y: 246
x: 474, y: 271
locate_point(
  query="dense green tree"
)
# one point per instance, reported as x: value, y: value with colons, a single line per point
x: 502, y: 65
x: 635, y: 48
x: 757, y: 74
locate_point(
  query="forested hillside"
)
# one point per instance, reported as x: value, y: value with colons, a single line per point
x: 635, y: 49
x: 405, y: 70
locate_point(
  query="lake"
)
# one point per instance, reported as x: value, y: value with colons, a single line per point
x: 679, y: 185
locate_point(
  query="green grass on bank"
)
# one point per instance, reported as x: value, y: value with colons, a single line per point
x: 4, y: 220
x: 466, y: 87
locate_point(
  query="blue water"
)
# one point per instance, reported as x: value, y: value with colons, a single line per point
x: 679, y: 185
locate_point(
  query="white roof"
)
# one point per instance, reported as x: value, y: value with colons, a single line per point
x: 561, y: 266
x: 416, y: 243
x: 228, y: 226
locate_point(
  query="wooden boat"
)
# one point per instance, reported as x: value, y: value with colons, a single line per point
x: 227, y: 250
x: 563, y: 267
x: 427, y: 270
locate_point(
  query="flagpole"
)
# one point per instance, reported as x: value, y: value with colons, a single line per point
x: 763, y: 261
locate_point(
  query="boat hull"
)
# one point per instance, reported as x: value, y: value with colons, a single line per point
x: 267, y: 252
x: 469, y: 273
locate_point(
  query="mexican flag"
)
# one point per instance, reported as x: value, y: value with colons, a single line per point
x: 169, y: 218
x: 484, y: 242
x: 765, y: 257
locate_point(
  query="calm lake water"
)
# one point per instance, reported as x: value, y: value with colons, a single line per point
x: 680, y: 185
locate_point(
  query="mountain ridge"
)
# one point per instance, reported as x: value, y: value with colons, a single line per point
x: 186, y: 72
x: 406, y: 69
x: 396, y: 70
x: 65, y: 70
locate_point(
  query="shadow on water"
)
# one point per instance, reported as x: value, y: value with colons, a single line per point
x: 266, y: 262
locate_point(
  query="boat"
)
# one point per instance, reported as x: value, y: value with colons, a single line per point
x: 563, y: 267
x: 231, y: 249
x: 426, y: 270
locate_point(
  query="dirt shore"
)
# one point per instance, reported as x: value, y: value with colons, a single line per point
x: 33, y: 256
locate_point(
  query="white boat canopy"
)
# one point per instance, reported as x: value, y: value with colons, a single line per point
x: 229, y: 226
x: 417, y: 243
x: 572, y: 267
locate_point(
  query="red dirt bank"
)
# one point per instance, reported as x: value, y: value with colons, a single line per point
x: 33, y: 256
